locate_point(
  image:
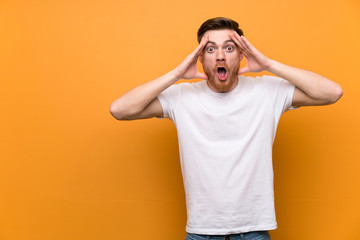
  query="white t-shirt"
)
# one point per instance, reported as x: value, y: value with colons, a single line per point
x: 225, y: 144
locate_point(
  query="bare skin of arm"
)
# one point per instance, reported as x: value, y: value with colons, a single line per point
x: 311, y: 89
x: 142, y: 102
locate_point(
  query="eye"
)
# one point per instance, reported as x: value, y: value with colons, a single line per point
x: 229, y: 48
x: 211, y: 49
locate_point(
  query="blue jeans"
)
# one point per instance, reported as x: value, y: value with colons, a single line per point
x: 257, y: 235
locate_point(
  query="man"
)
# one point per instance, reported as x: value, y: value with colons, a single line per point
x: 226, y: 126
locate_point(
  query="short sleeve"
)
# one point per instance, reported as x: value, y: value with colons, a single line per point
x: 169, y: 99
x: 280, y: 92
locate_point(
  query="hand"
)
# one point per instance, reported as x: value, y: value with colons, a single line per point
x: 255, y: 60
x: 188, y: 69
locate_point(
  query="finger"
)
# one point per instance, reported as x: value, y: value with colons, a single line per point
x: 246, y: 43
x: 201, y: 46
x: 243, y: 44
x: 204, y: 39
x: 236, y: 38
x: 238, y: 43
x: 193, y: 57
x: 239, y: 38
x: 241, y: 41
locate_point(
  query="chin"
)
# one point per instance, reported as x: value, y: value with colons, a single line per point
x: 222, y: 86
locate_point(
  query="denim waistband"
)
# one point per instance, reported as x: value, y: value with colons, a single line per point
x: 258, y: 235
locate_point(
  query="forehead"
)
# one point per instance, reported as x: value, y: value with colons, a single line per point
x: 219, y: 36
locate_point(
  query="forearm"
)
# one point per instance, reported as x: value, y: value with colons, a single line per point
x: 136, y: 100
x: 312, y: 84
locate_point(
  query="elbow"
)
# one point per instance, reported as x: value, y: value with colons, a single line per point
x: 120, y: 112
x: 337, y: 94
x: 331, y: 96
x: 115, y: 112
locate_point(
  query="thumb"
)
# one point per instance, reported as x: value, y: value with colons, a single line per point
x: 201, y: 75
x: 243, y: 70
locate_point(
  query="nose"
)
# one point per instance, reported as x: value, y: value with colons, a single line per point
x: 220, y: 56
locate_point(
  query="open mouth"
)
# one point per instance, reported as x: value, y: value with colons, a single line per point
x: 222, y: 73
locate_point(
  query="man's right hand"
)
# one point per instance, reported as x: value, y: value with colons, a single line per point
x: 188, y: 69
x: 142, y: 102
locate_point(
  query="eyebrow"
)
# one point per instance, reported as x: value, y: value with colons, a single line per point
x: 229, y: 40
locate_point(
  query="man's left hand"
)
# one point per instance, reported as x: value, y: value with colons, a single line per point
x: 255, y: 60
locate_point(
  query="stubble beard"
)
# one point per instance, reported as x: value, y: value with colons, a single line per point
x: 221, y: 86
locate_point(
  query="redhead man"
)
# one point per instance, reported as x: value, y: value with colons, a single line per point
x: 226, y: 126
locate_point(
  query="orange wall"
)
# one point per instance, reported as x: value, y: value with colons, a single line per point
x: 70, y: 171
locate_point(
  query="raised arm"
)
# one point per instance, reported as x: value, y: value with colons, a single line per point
x: 141, y: 102
x: 311, y: 88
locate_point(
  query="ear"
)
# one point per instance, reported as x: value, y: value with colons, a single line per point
x: 241, y: 55
x: 201, y: 57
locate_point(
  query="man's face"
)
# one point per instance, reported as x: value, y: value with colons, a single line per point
x: 220, y: 60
